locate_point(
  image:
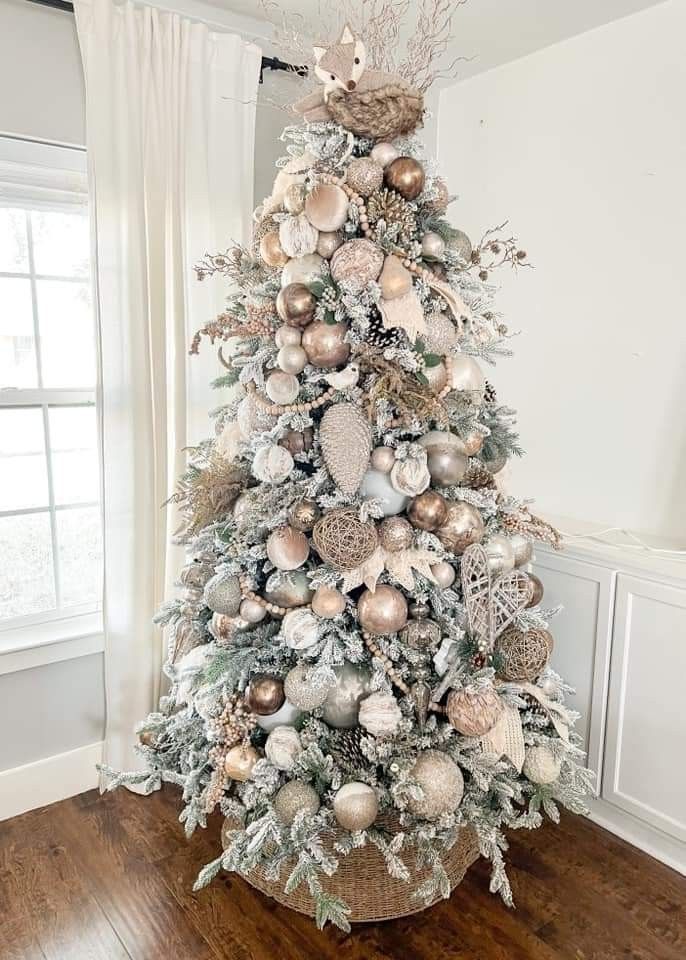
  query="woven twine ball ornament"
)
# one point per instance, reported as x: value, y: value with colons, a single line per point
x: 345, y: 435
x: 364, y: 175
x: 524, y: 654
x: 357, y: 263
x: 293, y: 797
x: 343, y: 540
x: 474, y: 713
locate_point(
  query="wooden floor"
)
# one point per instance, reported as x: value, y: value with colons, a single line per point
x: 110, y: 879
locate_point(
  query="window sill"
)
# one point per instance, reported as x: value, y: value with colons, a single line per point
x: 35, y: 645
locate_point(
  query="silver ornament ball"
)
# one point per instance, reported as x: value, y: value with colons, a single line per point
x: 340, y: 709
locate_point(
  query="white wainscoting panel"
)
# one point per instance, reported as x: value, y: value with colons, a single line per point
x: 49, y: 780
x: 645, y: 751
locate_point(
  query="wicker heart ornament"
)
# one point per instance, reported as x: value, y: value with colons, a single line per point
x: 491, y: 606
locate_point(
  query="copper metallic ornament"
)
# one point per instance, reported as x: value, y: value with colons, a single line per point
x: 444, y: 573
x: 325, y: 345
x: 474, y: 713
x: 364, y: 175
x: 327, y: 207
x: 282, y: 388
x: 265, y: 695
x: 288, y: 588
x: 328, y: 243
x: 240, y: 761
x: 406, y: 176
x: 271, y: 250
x: 395, y: 533
x: 382, y: 612
x: 287, y: 548
x: 303, y: 515
x: 287, y: 336
x: 328, y: 602
x: 355, y: 806
x: 441, y: 782
x: 295, y: 304
x: 428, y: 511
x: 291, y: 359
x: 537, y: 594
x: 292, y: 798
x: 462, y: 527
x: 382, y: 459
x: 356, y: 263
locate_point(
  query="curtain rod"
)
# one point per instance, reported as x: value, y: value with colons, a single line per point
x: 268, y: 63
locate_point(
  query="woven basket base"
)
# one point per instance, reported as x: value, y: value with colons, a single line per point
x: 364, y: 883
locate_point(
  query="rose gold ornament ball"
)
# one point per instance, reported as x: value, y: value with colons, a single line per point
x: 295, y: 304
x: 462, y: 527
x: 444, y: 573
x: 395, y: 534
x: 271, y: 250
x: 240, y: 761
x: 382, y: 459
x: 324, y: 344
x: 328, y: 602
x: 537, y: 594
x: 287, y: 548
x: 428, y: 511
x: 406, y: 176
x: 383, y: 611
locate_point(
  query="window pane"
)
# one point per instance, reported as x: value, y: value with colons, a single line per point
x: 23, y: 472
x: 80, y: 555
x: 14, y: 251
x: 26, y: 574
x: 73, y: 443
x: 17, y: 348
x: 61, y: 243
x: 66, y: 330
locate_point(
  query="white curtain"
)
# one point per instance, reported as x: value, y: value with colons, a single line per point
x: 170, y: 127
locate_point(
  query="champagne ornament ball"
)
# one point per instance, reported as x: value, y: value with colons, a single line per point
x: 223, y: 594
x: 444, y: 573
x: 327, y: 207
x: 537, y: 592
x: 462, y: 527
x: 383, y: 611
x: 328, y: 602
x: 433, y: 246
x: 271, y: 250
x: 523, y: 549
x: 325, y: 344
x: 382, y: 459
x: 383, y: 154
x: 287, y: 548
x: 377, y: 486
x: 395, y: 534
x: 328, y: 243
x: 282, y: 388
x: 355, y: 806
x: 295, y: 304
x: 240, y: 761
x: 441, y: 783
x: 288, y: 588
x: 287, y: 336
x: 252, y: 611
x: 291, y: 359
x: 468, y: 377
x: 293, y: 798
x: 500, y: 553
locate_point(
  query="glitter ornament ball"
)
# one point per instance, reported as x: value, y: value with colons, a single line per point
x: 301, y: 691
x: 355, y: 806
x: 441, y: 782
x: 441, y: 333
x: 341, y: 706
x: 294, y: 198
x: 356, y: 264
x: 294, y: 797
x: 541, y: 765
x: 395, y: 534
x: 364, y: 175
x: 222, y: 594
x: 383, y: 611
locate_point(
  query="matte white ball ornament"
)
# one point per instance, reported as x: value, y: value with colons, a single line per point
x: 303, y: 270
x: 300, y: 629
x: 272, y: 464
x: 282, y: 388
x: 355, y: 806
x: 283, y: 747
x: 287, y: 714
x: 377, y: 486
x: 540, y: 765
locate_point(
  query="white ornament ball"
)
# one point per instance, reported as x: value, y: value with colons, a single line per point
x: 377, y: 486
x: 252, y: 611
x: 355, y: 806
x: 541, y: 766
x: 272, y: 464
x: 286, y: 715
x: 292, y: 359
x: 433, y: 246
x: 300, y: 629
x: 384, y: 153
x: 467, y: 376
x: 282, y: 388
x: 380, y: 714
x: 303, y: 269
x: 287, y: 336
x: 283, y: 747
x: 500, y: 553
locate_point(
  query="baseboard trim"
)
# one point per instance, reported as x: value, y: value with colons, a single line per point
x: 49, y: 780
x: 666, y: 849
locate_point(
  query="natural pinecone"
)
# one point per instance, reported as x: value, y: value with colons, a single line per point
x: 477, y: 476
x: 397, y: 214
x: 379, y: 336
x: 534, y: 707
x: 489, y: 393
x: 346, y: 749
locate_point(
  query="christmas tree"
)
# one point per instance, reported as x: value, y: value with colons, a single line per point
x: 358, y: 658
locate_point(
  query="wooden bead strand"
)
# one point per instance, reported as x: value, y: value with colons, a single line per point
x: 276, y: 410
x: 392, y: 673
x: 249, y: 594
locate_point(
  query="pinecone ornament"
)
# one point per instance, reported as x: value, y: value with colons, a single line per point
x: 477, y: 476
x: 395, y: 212
x: 346, y: 749
x: 346, y: 440
x: 489, y: 393
x: 378, y: 336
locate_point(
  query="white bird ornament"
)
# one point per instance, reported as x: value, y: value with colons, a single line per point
x: 344, y: 379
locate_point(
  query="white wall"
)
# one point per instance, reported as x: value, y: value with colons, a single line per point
x: 583, y: 147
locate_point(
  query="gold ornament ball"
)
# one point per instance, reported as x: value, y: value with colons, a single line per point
x: 395, y: 534
x: 271, y: 250
x: 294, y: 797
x: 265, y: 695
x: 282, y: 388
x: 294, y: 198
x: 537, y: 594
x: 383, y: 611
x: 462, y: 527
x: 303, y: 515
x: 291, y: 359
x: 383, y: 154
x: 240, y: 761
x: 327, y: 207
x: 364, y: 175
x: 328, y: 243
x: 287, y: 548
x: 406, y: 176
x: 433, y: 246
x: 252, y: 611
x: 441, y: 782
x: 324, y: 344
x: 444, y: 573
x: 447, y: 465
x: 383, y: 459
x: 288, y: 588
x: 428, y: 511
x: 523, y: 549
x: 295, y: 304
x: 328, y: 602
x: 287, y: 336
x: 355, y: 806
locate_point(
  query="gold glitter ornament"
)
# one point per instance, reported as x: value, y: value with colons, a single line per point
x: 301, y: 691
x: 441, y: 782
x: 294, y: 797
x: 364, y: 175
x: 343, y: 540
x: 395, y: 533
x: 345, y: 436
x: 474, y: 712
x: 223, y: 594
x: 441, y: 333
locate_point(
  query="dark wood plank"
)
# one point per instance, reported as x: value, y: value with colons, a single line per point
x: 110, y: 878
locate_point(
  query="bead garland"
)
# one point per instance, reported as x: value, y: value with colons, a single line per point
x: 273, y: 608
x: 275, y: 409
x: 233, y: 726
x: 392, y: 673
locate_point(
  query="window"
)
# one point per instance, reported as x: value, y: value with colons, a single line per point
x: 50, y: 527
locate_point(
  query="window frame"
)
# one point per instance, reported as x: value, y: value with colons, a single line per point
x: 36, y: 175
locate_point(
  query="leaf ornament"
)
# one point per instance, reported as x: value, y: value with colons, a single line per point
x: 491, y: 605
x: 399, y: 565
x: 456, y: 304
x: 506, y: 738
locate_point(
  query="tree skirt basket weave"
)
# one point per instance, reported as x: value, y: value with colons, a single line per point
x: 364, y: 883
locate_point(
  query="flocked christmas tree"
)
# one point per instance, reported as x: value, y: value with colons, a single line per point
x: 358, y: 659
